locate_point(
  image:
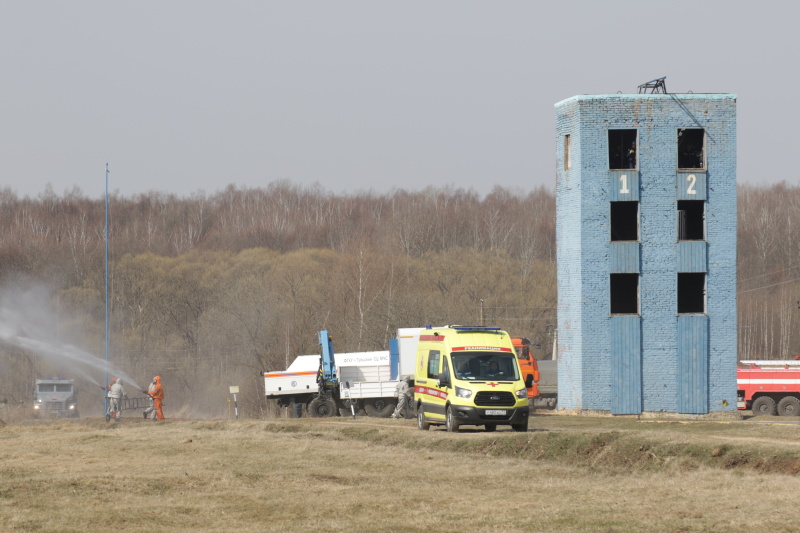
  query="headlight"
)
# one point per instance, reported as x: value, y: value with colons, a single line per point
x: 72, y: 407
x: 36, y: 406
x: 463, y: 393
x: 522, y: 393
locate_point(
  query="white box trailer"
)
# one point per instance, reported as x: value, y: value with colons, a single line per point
x: 368, y: 374
x: 372, y: 377
x: 299, y: 378
x: 407, y: 341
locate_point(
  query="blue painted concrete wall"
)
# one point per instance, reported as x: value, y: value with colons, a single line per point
x: 584, y: 191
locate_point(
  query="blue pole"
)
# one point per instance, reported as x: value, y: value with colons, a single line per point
x: 105, y: 403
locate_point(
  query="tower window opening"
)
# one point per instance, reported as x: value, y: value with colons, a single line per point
x: 622, y: 149
x: 624, y: 294
x: 691, y: 220
x: 567, y: 162
x: 691, y: 293
x: 691, y: 149
x: 624, y: 221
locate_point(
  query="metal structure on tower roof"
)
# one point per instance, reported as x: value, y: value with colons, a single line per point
x: 655, y: 86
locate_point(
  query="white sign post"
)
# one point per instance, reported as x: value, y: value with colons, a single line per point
x: 234, y: 390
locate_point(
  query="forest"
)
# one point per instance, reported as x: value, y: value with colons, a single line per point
x: 208, y: 291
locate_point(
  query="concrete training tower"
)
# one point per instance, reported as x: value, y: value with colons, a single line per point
x: 646, y: 233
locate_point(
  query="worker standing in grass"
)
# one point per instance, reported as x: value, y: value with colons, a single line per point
x: 115, y: 395
x: 157, y: 395
x: 402, y: 398
x: 151, y: 409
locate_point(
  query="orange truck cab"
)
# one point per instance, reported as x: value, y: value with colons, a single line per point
x: 527, y: 363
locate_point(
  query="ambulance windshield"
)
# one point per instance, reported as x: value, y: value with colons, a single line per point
x: 483, y: 366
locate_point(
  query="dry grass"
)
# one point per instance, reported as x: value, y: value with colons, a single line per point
x: 570, y: 474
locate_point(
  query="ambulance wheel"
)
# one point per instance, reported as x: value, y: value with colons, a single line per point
x: 520, y: 427
x: 450, y: 422
x: 763, y: 405
x: 379, y: 408
x: 421, y: 424
x: 320, y: 408
x: 490, y: 427
x: 789, y: 406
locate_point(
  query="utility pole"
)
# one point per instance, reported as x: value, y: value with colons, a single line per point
x: 106, y: 400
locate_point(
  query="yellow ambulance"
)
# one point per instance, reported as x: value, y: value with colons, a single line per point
x: 469, y: 375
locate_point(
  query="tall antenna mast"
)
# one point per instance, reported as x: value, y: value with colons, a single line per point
x: 106, y: 400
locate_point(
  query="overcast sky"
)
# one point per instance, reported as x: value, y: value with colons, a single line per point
x: 189, y: 96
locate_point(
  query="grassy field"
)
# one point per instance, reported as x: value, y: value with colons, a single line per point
x: 566, y: 474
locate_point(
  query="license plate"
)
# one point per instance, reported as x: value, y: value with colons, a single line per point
x: 495, y: 412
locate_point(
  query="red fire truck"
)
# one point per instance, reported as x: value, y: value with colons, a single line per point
x: 769, y: 387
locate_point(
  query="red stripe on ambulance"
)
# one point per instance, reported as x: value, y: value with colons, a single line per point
x: 431, y: 392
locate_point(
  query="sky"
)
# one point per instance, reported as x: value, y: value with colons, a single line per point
x: 189, y: 97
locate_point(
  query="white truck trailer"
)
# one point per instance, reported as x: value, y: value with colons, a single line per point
x: 329, y: 384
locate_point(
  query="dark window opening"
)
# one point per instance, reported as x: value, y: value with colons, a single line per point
x: 624, y: 221
x: 691, y: 293
x: 622, y: 149
x: 567, y: 162
x: 624, y: 294
x: 691, y: 149
x: 691, y: 220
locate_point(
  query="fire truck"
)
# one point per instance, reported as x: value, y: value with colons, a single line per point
x: 769, y: 387
x: 527, y: 364
x: 544, y: 393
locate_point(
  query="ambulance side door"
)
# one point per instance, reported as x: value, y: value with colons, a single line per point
x: 434, y: 401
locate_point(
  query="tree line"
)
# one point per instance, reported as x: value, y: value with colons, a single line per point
x: 210, y: 290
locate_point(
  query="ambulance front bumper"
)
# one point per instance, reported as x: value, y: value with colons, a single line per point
x: 481, y: 415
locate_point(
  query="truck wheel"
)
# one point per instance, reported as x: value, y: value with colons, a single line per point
x: 321, y: 408
x: 789, y: 406
x: 450, y: 422
x: 490, y: 427
x: 421, y: 424
x: 763, y: 405
x: 520, y: 427
x: 379, y: 408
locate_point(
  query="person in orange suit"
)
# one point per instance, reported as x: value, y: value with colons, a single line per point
x: 157, y: 393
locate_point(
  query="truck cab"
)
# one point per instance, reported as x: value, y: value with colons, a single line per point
x: 469, y: 375
x: 527, y: 363
x: 55, y: 397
